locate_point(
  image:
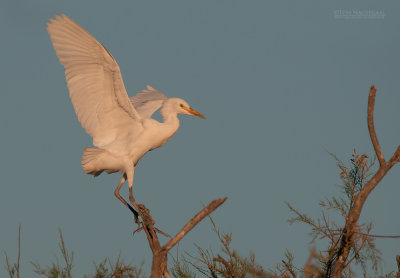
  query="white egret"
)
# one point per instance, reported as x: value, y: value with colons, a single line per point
x: 122, y: 128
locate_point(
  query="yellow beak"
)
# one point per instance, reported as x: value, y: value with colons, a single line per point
x: 193, y: 112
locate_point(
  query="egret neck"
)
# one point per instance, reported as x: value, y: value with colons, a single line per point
x: 171, y: 120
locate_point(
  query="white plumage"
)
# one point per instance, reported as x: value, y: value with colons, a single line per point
x: 122, y: 128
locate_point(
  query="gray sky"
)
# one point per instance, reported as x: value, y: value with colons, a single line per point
x: 280, y: 82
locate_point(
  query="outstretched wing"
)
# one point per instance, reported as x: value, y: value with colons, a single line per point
x: 94, y: 81
x: 148, y: 101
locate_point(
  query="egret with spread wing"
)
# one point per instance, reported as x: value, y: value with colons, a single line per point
x: 122, y: 128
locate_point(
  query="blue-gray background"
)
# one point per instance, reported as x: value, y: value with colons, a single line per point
x: 280, y: 82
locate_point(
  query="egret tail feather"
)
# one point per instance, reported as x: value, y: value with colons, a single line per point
x: 95, y: 161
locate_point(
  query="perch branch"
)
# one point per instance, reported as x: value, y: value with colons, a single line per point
x: 159, y: 266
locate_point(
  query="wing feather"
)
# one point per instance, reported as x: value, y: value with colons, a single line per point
x: 94, y: 80
x: 148, y: 101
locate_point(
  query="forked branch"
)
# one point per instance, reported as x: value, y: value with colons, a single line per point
x: 350, y: 228
x: 160, y: 259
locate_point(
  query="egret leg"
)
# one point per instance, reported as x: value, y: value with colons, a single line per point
x: 116, y: 193
x: 129, y: 176
x: 146, y: 218
x: 133, y: 202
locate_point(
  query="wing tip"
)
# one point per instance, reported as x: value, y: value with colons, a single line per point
x: 58, y: 18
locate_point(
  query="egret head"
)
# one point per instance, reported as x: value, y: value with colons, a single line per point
x: 182, y: 107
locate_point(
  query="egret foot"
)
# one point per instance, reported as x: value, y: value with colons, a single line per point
x: 148, y: 220
x: 137, y: 230
x: 135, y: 214
x: 161, y: 232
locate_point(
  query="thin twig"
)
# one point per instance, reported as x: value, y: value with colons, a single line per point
x: 226, y: 264
x: 329, y: 234
x: 161, y: 232
x: 289, y: 269
x: 212, y: 271
x: 111, y: 265
x: 368, y: 235
x: 193, y: 222
x: 9, y: 268
x: 19, y: 249
x: 222, y: 240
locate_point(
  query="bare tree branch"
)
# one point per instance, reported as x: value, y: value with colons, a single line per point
x: 371, y: 126
x: 194, y: 221
x: 159, y: 265
x: 395, y: 158
x: 350, y: 227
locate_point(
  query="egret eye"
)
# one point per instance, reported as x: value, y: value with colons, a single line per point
x: 181, y: 105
